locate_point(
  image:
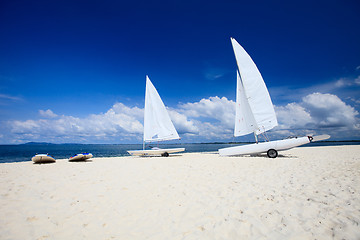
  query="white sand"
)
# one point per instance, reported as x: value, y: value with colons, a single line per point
x: 306, y: 193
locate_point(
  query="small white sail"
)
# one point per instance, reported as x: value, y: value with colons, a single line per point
x: 255, y: 93
x: 157, y: 122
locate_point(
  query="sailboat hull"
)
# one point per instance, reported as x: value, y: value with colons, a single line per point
x: 265, y: 146
x: 155, y: 152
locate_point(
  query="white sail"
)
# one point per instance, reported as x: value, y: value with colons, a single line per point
x: 157, y: 122
x: 244, y: 119
x: 255, y: 92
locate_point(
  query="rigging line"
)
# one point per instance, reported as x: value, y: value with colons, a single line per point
x: 265, y: 136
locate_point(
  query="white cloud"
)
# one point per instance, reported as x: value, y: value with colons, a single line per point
x: 9, y: 97
x: 47, y: 114
x: 181, y: 122
x: 210, y: 119
x: 292, y: 116
x: 318, y: 113
x: 5, y: 99
x: 328, y: 110
x: 213, y: 73
x: 212, y: 108
x: 342, y: 83
x: 342, y: 87
x: 357, y: 80
x: 118, y: 123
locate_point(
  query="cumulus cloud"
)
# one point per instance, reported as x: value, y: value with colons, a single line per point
x: 292, y: 115
x: 213, y: 117
x: 320, y: 113
x: 316, y: 113
x: 182, y: 123
x: 210, y: 119
x: 330, y: 111
x: 120, y: 122
x: 212, y: 108
x: 47, y: 114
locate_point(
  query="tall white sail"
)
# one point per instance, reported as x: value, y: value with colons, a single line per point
x: 259, y: 115
x: 157, y: 122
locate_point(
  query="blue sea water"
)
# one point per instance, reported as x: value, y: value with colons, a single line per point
x: 24, y: 152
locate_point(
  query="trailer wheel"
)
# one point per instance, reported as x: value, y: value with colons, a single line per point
x: 272, y: 153
x: 165, y: 154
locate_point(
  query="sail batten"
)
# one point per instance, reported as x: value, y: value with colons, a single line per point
x: 157, y: 123
x: 254, y: 109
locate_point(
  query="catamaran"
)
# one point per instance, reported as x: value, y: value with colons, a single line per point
x: 157, y: 124
x: 254, y: 111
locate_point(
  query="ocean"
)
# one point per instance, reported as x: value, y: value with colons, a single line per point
x: 24, y: 152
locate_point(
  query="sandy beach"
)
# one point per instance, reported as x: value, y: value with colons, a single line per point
x: 305, y: 193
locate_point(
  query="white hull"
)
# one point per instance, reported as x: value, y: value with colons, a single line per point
x: 264, y: 146
x: 42, y: 158
x: 155, y: 152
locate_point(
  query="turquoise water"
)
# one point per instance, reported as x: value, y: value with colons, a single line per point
x: 20, y: 153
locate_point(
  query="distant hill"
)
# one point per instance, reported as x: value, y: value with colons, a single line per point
x: 46, y: 143
x: 38, y: 143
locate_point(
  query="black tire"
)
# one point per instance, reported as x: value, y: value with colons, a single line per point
x: 165, y: 154
x: 272, y: 153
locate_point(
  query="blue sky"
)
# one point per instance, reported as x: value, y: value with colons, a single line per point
x: 74, y: 71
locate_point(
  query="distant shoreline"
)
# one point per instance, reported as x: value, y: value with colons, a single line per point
x: 47, y: 143
x: 24, y: 152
